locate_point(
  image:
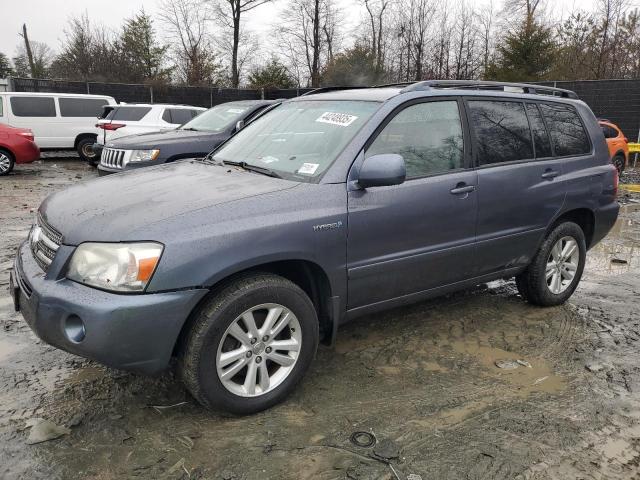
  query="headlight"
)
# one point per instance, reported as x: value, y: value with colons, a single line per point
x: 144, y: 155
x: 121, y: 267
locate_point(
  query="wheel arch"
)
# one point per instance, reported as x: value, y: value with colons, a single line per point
x: 308, y: 275
x: 584, y: 217
x: 83, y: 136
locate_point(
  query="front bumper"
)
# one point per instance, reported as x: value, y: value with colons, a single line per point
x: 130, y: 332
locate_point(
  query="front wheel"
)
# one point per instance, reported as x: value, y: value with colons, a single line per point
x: 85, y: 151
x: 555, y: 271
x: 250, y: 344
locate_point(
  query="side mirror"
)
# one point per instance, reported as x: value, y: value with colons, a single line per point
x: 239, y: 125
x: 382, y: 170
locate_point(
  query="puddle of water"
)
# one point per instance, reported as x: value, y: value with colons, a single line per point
x: 537, y: 378
x: 619, y: 252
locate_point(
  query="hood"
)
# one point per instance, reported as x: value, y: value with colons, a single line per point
x: 151, y: 140
x: 118, y: 207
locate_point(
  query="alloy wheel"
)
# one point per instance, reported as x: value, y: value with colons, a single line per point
x: 259, y: 350
x: 562, y: 264
x: 5, y: 163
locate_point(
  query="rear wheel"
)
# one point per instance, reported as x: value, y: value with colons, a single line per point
x: 618, y: 162
x: 85, y: 150
x: 7, y: 162
x: 250, y: 344
x: 555, y: 271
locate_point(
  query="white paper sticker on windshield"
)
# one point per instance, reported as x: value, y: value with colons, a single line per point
x: 342, y: 119
x: 235, y: 110
x: 308, y: 168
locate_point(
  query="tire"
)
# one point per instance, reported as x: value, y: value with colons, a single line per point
x: 534, y: 285
x: 213, y: 333
x: 7, y: 162
x: 85, y: 151
x: 618, y: 162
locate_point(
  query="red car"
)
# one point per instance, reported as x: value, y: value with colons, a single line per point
x: 16, y: 146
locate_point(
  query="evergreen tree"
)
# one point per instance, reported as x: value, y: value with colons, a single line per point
x: 273, y: 75
x: 356, y: 66
x: 141, y: 55
x: 5, y: 66
x: 526, y: 54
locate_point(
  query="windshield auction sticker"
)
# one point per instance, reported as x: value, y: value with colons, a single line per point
x: 341, y: 119
x: 308, y: 168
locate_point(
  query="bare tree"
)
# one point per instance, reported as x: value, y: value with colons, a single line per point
x: 376, y: 13
x: 230, y: 12
x: 307, y: 36
x: 188, y: 24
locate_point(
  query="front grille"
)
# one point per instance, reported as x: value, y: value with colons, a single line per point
x: 113, y: 158
x: 44, y: 241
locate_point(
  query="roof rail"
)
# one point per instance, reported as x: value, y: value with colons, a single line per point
x: 330, y: 89
x: 487, y: 85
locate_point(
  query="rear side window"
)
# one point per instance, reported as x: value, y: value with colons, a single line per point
x: 566, y: 129
x: 131, y: 114
x: 33, y: 106
x: 540, y: 135
x: 178, y: 115
x: 81, y: 107
x: 427, y: 135
x: 501, y: 131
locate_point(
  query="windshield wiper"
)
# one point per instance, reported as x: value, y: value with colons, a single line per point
x: 254, y: 168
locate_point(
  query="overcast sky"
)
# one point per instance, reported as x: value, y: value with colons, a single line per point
x: 47, y: 19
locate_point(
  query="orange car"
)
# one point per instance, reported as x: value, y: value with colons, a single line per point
x: 618, y: 144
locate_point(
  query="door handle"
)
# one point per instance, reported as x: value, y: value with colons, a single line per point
x: 462, y: 188
x: 550, y: 174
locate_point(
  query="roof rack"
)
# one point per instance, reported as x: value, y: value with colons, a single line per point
x: 330, y: 89
x: 487, y: 85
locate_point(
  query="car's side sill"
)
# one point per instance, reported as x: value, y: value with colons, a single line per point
x: 426, y: 294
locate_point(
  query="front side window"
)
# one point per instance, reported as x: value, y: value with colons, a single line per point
x: 33, y: 106
x: 81, y: 107
x: 427, y: 135
x: 566, y: 129
x: 539, y: 131
x: 298, y: 139
x: 501, y: 131
x: 179, y: 116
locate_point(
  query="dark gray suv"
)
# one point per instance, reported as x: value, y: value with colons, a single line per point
x: 330, y: 206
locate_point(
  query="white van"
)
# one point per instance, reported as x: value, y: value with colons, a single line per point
x: 58, y: 120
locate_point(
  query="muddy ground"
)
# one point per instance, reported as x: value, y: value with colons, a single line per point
x: 423, y: 380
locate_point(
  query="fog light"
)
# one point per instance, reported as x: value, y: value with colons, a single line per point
x: 74, y: 329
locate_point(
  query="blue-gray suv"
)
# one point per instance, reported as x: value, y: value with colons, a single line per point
x: 330, y: 206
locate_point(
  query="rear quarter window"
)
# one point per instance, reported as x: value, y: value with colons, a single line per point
x: 81, y: 107
x: 130, y: 114
x: 33, y: 106
x: 566, y: 129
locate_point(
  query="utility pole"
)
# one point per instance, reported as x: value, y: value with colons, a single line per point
x: 27, y: 47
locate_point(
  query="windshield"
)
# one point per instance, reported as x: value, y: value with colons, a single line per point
x: 217, y: 118
x: 299, y: 139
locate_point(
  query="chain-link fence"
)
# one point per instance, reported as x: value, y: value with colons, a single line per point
x: 137, y: 93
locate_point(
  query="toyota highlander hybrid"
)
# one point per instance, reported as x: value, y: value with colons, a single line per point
x: 328, y: 207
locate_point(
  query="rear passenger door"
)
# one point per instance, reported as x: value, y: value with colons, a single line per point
x: 419, y: 235
x: 520, y: 181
